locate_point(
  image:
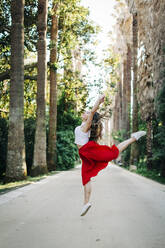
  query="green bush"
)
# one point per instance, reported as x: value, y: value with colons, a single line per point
x: 121, y: 135
x: 67, y: 152
x: 152, y: 174
x: 29, y: 127
x: 3, y: 144
x: 66, y: 118
x: 159, y: 132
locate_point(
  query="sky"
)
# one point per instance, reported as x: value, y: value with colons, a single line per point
x: 101, y: 13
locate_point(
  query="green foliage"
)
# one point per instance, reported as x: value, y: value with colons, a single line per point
x: 66, y: 150
x: 54, y: 66
x: 76, y: 31
x: 159, y: 132
x: 30, y: 20
x: 29, y: 142
x: 120, y: 137
x: 74, y: 26
x: 152, y: 174
x: 160, y: 105
x: 73, y: 92
x: 141, y: 141
x: 5, y: 25
x: 111, y: 63
x: 3, y: 144
x: 29, y: 127
x: 30, y: 17
x: 159, y: 143
x: 4, y: 97
x: 66, y: 118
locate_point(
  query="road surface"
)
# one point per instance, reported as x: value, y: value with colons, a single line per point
x: 128, y: 211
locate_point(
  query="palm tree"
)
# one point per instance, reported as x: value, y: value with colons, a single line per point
x: 39, y: 162
x: 128, y: 87
x: 126, y: 93
x: 123, y: 47
x: 16, y: 166
x: 53, y: 91
x: 145, y: 73
x: 134, y: 146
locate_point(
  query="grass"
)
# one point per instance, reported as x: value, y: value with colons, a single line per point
x: 152, y: 174
x: 4, y: 188
x: 143, y: 171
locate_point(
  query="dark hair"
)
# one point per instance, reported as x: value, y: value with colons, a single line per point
x: 96, y: 127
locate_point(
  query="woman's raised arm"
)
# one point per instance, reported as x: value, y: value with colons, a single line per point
x: 88, y: 122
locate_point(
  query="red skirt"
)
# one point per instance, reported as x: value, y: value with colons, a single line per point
x: 94, y: 158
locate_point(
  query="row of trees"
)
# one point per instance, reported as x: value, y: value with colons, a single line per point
x: 46, y: 94
x: 58, y: 29
x: 140, y: 46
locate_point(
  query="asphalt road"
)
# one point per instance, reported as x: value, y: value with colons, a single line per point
x: 128, y: 211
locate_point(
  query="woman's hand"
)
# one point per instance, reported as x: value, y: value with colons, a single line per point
x: 101, y: 98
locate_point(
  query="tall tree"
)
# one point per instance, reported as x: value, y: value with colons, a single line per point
x: 39, y: 162
x: 134, y: 146
x: 122, y: 47
x: 16, y: 167
x: 128, y: 88
x: 124, y: 96
x: 53, y: 90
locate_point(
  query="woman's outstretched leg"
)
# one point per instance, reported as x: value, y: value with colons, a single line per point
x: 134, y: 137
x: 123, y: 145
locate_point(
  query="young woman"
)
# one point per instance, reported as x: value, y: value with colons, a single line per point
x: 95, y: 157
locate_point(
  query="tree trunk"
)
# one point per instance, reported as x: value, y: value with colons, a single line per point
x: 120, y: 103
x: 116, y: 113
x: 39, y: 163
x: 128, y: 90
x: 16, y: 166
x: 134, y: 146
x: 149, y: 143
x: 124, y: 94
x: 53, y: 92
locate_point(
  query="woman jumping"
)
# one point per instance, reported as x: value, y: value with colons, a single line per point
x: 95, y: 157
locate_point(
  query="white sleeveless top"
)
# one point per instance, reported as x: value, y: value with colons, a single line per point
x: 81, y: 138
